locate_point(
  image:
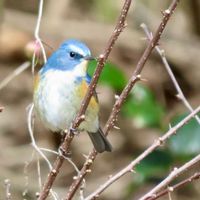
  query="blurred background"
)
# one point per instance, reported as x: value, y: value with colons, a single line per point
x: 146, y: 115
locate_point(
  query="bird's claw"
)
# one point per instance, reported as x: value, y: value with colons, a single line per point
x: 74, y: 131
x: 63, y: 153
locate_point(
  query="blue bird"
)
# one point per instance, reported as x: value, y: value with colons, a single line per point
x: 59, y: 88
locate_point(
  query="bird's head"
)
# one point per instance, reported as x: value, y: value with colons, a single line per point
x: 70, y: 54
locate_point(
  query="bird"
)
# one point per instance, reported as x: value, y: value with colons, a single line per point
x: 59, y: 88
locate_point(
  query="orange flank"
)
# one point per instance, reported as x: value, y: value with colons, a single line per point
x: 36, y: 81
x: 82, y: 89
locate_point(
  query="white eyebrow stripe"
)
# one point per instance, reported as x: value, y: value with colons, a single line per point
x: 77, y: 49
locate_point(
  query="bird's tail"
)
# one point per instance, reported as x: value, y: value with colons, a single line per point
x: 100, y: 141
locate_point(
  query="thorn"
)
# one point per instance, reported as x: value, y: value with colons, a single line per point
x: 101, y: 56
x: 167, y: 11
x: 116, y: 127
x: 163, y: 13
x: 170, y: 189
x: 133, y: 171
x: 116, y: 96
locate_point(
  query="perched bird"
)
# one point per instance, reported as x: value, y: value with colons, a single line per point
x: 59, y: 89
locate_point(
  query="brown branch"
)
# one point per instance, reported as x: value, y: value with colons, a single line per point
x: 174, y: 174
x: 113, y: 116
x: 194, y: 177
x: 155, y: 145
x: 161, y: 52
x: 65, y: 147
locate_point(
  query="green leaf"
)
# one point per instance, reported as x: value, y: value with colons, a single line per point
x: 186, y: 142
x: 111, y: 75
x: 155, y: 165
x: 143, y: 108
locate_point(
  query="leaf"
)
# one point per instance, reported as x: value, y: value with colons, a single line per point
x: 111, y: 75
x: 186, y: 142
x: 143, y: 108
x: 155, y: 165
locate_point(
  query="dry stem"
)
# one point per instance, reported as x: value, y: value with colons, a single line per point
x: 113, y: 116
x: 180, y: 94
x: 194, y: 177
x: 13, y: 74
x: 155, y: 145
x: 174, y: 174
x: 65, y: 147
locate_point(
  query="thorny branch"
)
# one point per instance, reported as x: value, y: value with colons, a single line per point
x: 174, y: 174
x: 65, y: 147
x: 161, y: 52
x: 192, y: 178
x: 113, y: 116
x: 155, y: 145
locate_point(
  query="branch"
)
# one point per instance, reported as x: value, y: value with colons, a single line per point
x: 7, y: 184
x: 194, y: 177
x: 65, y: 147
x: 113, y: 116
x: 174, y: 174
x: 13, y: 74
x: 155, y: 145
x: 37, y: 29
x: 161, y: 52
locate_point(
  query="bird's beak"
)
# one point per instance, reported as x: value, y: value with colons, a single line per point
x: 89, y: 58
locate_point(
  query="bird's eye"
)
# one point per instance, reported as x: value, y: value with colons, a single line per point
x: 72, y: 54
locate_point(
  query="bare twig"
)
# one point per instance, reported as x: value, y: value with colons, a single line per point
x: 37, y: 29
x: 113, y: 116
x: 65, y: 147
x: 8, y: 194
x: 161, y: 52
x: 175, y: 173
x: 192, y: 178
x: 30, y: 130
x: 13, y: 74
x: 155, y: 145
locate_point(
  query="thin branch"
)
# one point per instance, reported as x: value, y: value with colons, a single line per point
x: 13, y: 74
x: 30, y: 130
x: 129, y: 168
x: 161, y: 52
x: 65, y: 147
x: 113, y: 116
x: 37, y: 29
x: 7, y: 184
x: 192, y: 178
x: 174, y: 174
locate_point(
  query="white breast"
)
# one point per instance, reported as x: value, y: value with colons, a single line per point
x: 57, y: 103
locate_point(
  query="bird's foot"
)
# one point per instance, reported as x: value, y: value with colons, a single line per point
x: 64, y: 153
x: 74, y: 131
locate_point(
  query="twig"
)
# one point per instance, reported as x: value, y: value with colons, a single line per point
x: 30, y: 130
x: 37, y: 149
x: 161, y: 52
x: 175, y: 173
x: 37, y: 29
x: 155, y: 145
x: 8, y: 194
x: 65, y: 147
x: 194, y: 177
x: 13, y: 74
x: 113, y: 116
